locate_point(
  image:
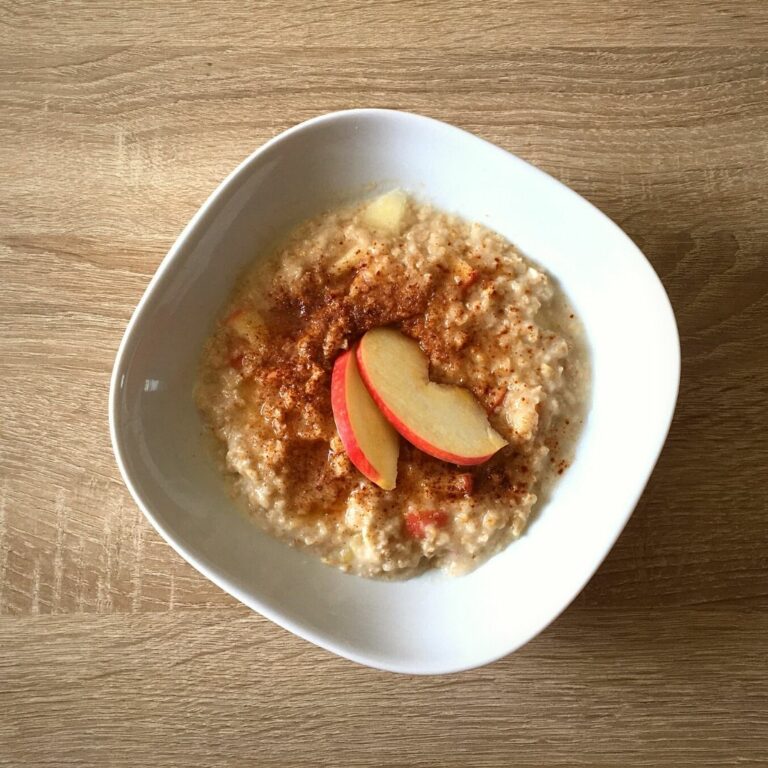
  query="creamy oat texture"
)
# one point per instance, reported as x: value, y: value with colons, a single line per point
x: 488, y: 320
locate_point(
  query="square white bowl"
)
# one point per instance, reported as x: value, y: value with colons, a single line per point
x: 433, y: 623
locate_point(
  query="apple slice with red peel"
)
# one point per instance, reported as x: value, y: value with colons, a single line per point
x: 445, y: 421
x: 368, y: 438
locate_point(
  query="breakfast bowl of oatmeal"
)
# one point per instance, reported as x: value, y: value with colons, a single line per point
x: 396, y: 390
x: 393, y: 388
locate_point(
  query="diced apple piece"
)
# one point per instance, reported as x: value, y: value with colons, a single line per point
x: 369, y: 440
x: 522, y: 415
x: 248, y: 324
x: 416, y: 522
x: 444, y: 421
x: 464, y: 274
x: 349, y: 260
x: 386, y: 213
x: 496, y: 398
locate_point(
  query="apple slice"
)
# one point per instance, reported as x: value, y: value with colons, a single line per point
x: 369, y: 440
x: 444, y: 421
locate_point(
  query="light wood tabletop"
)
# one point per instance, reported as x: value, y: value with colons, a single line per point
x: 117, y: 119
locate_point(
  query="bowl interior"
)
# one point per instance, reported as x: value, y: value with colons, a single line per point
x: 432, y: 623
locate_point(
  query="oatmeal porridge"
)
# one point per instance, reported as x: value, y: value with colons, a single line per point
x: 395, y: 388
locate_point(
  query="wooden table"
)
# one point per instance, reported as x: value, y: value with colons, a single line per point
x: 118, y: 118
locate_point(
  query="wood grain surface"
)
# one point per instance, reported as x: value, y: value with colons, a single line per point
x: 117, y: 120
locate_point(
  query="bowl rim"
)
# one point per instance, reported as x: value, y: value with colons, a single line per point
x: 209, y: 209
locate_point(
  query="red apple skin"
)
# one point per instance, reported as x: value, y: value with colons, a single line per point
x: 416, y: 522
x: 410, y: 436
x: 341, y: 417
x: 370, y: 441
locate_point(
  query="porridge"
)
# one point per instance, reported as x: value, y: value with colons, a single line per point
x: 394, y: 389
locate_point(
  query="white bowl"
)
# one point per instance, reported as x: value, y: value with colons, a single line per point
x: 433, y: 623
